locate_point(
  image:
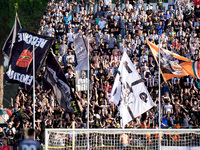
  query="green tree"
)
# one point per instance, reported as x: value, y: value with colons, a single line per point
x: 30, y: 13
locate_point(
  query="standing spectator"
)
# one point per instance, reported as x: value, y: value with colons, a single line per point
x: 168, y: 108
x: 10, y: 127
x: 70, y: 36
x: 112, y: 41
x: 62, y: 48
x: 5, y: 145
x: 160, y: 28
x: 139, y: 4
x: 82, y: 5
x: 30, y: 143
x: 60, y: 31
x: 160, y: 4
x: 102, y: 23
x: 118, y: 4
x: 164, y: 122
x: 67, y: 18
x: 101, y: 4
x: 122, y: 26
x: 91, y: 4
x: 58, y: 14
x: 115, y: 30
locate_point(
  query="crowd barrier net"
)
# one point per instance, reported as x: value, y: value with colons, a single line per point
x: 117, y: 139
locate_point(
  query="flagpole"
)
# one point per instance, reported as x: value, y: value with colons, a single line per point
x: 159, y: 113
x: 88, y: 101
x: 33, y: 85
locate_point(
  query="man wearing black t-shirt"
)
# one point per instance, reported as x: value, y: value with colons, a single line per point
x: 115, y: 29
x: 149, y: 12
x: 118, y: 3
x: 111, y: 21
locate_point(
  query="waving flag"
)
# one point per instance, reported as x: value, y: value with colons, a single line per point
x: 173, y: 65
x: 7, y: 48
x: 81, y: 52
x: 20, y: 68
x: 129, y: 92
x: 4, y: 111
x: 196, y: 69
x: 56, y: 78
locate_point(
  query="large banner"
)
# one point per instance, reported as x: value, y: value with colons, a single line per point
x: 7, y: 48
x: 129, y: 92
x: 20, y: 68
x: 56, y: 78
x: 81, y: 52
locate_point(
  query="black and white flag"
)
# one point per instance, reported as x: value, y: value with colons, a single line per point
x: 56, y: 78
x: 81, y: 52
x: 20, y: 68
x: 129, y: 92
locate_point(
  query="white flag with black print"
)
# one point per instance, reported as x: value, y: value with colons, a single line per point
x: 129, y: 92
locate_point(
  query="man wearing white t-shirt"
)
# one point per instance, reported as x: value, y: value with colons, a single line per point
x: 102, y: 23
x: 62, y: 48
x: 82, y: 82
x: 70, y: 36
x: 129, y: 6
x: 168, y: 108
x: 70, y: 56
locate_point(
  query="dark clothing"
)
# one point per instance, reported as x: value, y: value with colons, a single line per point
x: 29, y: 144
x: 197, y: 11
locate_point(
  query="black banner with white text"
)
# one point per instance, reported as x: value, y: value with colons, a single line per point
x: 20, y: 69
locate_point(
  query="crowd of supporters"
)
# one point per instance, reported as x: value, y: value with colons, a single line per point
x: 116, y: 27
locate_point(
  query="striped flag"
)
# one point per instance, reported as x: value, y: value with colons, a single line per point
x: 173, y: 65
x: 196, y: 69
x: 8, y: 45
x: 5, y: 111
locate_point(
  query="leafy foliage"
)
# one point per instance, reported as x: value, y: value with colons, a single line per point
x: 29, y: 13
